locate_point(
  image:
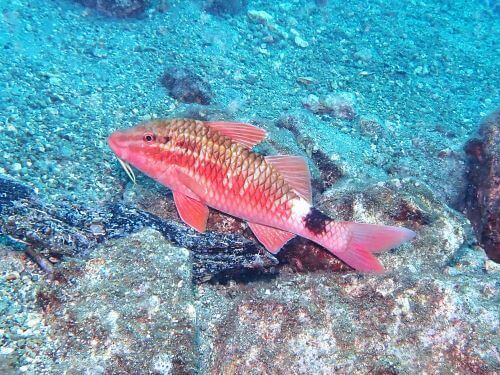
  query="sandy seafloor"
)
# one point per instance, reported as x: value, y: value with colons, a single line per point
x: 426, y: 71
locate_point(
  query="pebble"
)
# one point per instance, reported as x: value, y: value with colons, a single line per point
x: 491, y: 266
x: 33, y: 322
x: 306, y: 80
x: 12, y: 277
x: 6, y: 350
x: 16, y: 167
x: 300, y: 42
x: 260, y: 16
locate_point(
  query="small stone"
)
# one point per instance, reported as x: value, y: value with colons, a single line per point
x: 371, y: 126
x: 364, y: 55
x: 306, y: 80
x: 313, y: 103
x: 491, y: 266
x: 341, y: 104
x: 12, y: 277
x: 33, y: 322
x: 97, y: 229
x: 16, y: 167
x: 260, y: 16
x: 6, y: 350
x: 300, y: 42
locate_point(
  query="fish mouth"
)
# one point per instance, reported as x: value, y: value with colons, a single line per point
x: 118, y: 142
x: 128, y: 170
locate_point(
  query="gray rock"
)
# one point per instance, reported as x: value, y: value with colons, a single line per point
x: 127, y: 309
x: 353, y: 324
x: 118, y: 8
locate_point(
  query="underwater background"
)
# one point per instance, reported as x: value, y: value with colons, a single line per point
x: 393, y: 103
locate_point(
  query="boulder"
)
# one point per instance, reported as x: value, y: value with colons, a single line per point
x: 129, y: 308
x: 482, y: 202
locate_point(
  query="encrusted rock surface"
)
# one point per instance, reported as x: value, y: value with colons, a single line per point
x: 434, y: 310
x: 127, y: 309
x: 22, y: 330
x: 441, y: 231
x: 483, y: 195
x: 352, y: 324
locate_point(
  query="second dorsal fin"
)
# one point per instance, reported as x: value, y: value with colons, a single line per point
x: 245, y: 134
x: 295, y: 171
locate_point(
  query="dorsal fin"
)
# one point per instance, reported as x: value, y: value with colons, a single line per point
x: 245, y: 134
x: 295, y: 171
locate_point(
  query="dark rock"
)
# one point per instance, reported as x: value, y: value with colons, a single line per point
x: 305, y: 256
x: 71, y: 230
x: 483, y: 194
x: 329, y: 171
x: 186, y: 86
x: 222, y: 7
x: 118, y: 8
x: 11, y: 191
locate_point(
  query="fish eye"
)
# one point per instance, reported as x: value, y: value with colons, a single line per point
x: 148, y: 137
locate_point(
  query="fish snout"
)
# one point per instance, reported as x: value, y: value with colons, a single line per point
x: 118, y: 141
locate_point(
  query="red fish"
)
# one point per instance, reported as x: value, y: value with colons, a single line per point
x: 210, y: 164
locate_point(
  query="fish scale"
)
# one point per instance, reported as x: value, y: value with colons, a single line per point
x: 239, y: 162
x: 211, y: 164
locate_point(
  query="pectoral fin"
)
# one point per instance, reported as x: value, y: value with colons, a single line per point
x: 193, y: 212
x: 189, y: 186
x: 273, y: 239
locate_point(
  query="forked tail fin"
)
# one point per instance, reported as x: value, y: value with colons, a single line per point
x: 366, y: 239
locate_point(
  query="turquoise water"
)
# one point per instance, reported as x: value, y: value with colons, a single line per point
x: 382, y: 90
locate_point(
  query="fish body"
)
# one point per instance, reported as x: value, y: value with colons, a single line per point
x: 211, y: 164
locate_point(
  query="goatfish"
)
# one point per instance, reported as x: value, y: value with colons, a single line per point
x: 211, y: 164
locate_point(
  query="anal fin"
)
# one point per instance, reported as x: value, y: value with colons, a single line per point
x: 193, y: 212
x: 273, y: 239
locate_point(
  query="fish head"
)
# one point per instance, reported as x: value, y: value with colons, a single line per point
x: 141, y: 146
